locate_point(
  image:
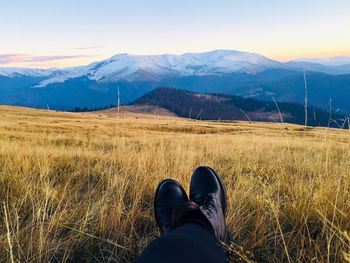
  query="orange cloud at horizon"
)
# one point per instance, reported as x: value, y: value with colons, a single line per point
x: 314, y: 54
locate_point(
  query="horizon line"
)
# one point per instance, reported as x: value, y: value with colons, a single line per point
x: 293, y: 58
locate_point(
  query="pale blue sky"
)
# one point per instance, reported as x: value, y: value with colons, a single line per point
x: 45, y: 33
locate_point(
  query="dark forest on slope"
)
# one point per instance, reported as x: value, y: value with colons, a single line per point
x: 228, y: 107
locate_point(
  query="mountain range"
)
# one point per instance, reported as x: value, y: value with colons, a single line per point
x: 220, y: 71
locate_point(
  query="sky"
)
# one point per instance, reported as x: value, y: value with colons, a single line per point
x: 65, y: 33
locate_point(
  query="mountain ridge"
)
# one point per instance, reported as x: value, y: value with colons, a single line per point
x: 332, y: 65
x: 143, y: 67
x: 219, y: 71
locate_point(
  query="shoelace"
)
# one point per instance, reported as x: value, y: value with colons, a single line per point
x: 208, y: 201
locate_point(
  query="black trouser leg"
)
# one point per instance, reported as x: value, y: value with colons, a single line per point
x: 188, y: 243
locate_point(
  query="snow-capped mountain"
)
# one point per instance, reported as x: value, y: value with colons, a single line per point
x: 220, y: 71
x: 26, y: 72
x: 127, y: 67
x: 155, y: 67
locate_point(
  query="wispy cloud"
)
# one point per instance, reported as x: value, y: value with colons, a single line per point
x: 12, y: 58
x: 23, y: 58
x: 54, y: 58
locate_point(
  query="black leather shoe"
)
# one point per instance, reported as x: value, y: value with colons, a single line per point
x: 208, y: 192
x: 168, y: 198
x: 206, y: 181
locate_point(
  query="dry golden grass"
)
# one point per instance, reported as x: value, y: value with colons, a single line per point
x: 79, y: 187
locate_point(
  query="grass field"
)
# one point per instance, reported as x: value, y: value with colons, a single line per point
x: 79, y: 187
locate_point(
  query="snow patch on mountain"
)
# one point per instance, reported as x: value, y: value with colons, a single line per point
x: 154, y: 67
x: 25, y: 72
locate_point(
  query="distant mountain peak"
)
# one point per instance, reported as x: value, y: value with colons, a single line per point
x: 130, y: 67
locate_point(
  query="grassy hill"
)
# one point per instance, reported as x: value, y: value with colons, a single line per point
x: 207, y: 106
x: 78, y: 187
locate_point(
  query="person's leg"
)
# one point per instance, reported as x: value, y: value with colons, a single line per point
x: 191, y: 230
x: 188, y: 243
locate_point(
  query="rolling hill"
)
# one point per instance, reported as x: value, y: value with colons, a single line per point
x: 228, y: 107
